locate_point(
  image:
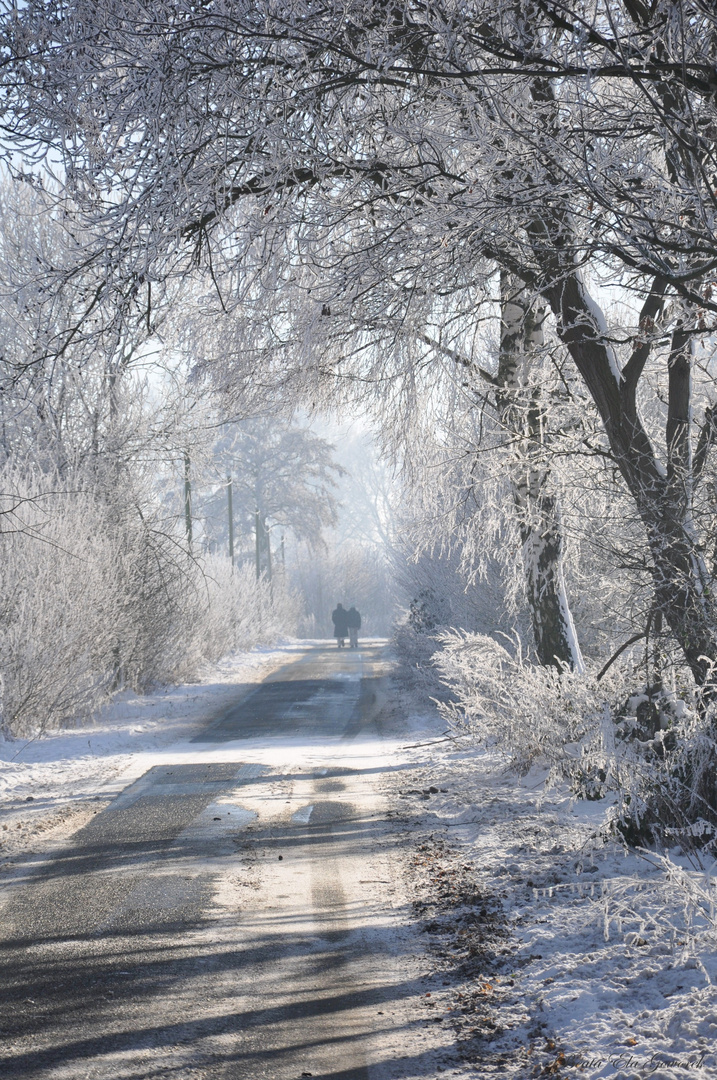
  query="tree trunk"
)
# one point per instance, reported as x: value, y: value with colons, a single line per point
x: 538, y: 511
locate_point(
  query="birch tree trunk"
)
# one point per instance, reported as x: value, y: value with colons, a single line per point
x: 538, y: 510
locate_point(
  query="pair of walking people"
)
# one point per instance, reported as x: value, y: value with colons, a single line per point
x: 346, y: 625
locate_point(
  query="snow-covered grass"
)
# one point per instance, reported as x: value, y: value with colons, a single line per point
x: 611, y: 968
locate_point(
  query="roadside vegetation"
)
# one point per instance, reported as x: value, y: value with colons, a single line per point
x: 488, y: 230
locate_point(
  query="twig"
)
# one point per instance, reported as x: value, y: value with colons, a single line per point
x: 445, y: 738
x: 26, y: 745
x: 613, y: 658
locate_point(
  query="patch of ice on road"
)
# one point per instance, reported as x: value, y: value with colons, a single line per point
x: 303, y: 816
x: 220, y: 815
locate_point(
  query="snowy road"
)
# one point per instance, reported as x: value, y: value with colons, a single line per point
x: 230, y: 913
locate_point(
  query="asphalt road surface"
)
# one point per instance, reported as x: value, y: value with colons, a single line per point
x: 231, y: 914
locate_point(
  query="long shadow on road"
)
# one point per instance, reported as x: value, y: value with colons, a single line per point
x: 126, y: 958
x: 97, y: 996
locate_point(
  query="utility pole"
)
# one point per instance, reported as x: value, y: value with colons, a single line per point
x: 257, y: 526
x: 231, y: 519
x: 187, y: 501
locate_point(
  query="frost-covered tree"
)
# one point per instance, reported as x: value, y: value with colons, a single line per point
x: 283, y: 480
x: 96, y: 591
x: 521, y: 410
x: 62, y: 407
x: 384, y: 160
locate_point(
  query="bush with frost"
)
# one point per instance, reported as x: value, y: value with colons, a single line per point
x: 531, y: 714
x: 653, y: 751
x: 96, y: 596
x: 61, y: 610
x: 665, y: 768
x: 235, y: 611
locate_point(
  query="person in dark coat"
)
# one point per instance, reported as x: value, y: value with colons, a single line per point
x: 353, y: 621
x: 339, y: 618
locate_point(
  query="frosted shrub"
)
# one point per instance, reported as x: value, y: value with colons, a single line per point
x: 94, y: 597
x: 665, y: 769
x: 443, y: 592
x: 530, y: 713
x: 235, y: 611
x: 60, y: 604
x: 415, y: 650
x: 655, y: 750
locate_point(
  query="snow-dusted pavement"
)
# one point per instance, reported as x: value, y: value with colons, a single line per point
x: 235, y: 910
x: 279, y: 872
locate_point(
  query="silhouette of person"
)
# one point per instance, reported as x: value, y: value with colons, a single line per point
x: 353, y: 622
x: 339, y: 618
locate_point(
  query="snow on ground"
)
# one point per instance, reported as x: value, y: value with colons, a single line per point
x: 608, y: 969
x: 51, y: 784
x: 556, y: 954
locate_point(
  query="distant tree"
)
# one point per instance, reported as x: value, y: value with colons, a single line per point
x: 283, y: 481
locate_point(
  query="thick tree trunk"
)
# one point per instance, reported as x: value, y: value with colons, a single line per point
x: 556, y: 640
x: 541, y: 532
